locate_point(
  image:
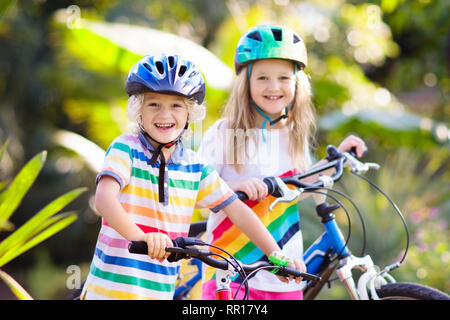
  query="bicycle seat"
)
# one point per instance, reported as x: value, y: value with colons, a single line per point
x: 197, y: 228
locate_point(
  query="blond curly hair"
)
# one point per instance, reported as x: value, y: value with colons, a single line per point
x: 196, y: 112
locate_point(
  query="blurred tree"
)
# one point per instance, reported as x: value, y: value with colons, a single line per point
x: 421, y: 29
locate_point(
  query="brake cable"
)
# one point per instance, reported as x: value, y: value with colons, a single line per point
x: 398, y: 212
x: 314, y: 190
x: 363, y: 225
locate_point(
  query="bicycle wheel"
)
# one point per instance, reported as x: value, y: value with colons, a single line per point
x: 410, y: 291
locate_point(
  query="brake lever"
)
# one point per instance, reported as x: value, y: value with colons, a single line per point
x: 358, y: 166
x: 287, y: 194
x: 328, y: 183
x: 177, y: 253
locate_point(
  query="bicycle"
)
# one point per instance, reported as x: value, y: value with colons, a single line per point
x: 329, y: 253
x: 187, y: 248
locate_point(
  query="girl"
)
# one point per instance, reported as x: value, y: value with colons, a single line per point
x: 150, y: 183
x: 266, y: 130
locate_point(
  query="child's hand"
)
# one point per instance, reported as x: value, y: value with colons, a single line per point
x: 300, y: 266
x: 296, y: 264
x: 157, y: 243
x: 254, y: 188
x: 353, y: 142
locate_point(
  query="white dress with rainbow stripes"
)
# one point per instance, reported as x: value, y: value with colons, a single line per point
x: 267, y: 159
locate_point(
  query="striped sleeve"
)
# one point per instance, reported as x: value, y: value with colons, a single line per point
x: 213, y: 192
x: 118, y: 162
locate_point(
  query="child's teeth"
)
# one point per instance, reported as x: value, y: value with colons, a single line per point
x: 163, y: 125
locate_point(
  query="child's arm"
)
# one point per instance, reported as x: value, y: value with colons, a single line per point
x: 108, y: 205
x: 246, y: 220
x: 111, y: 210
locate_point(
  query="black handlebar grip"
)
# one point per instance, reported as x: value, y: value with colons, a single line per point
x: 353, y: 152
x: 306, y: 276
x: 139, y: 247
x: 272, y: 189
x: 311, y: 277
x: 242, y: 195
x: 272, y: 186
x: 332, y: 153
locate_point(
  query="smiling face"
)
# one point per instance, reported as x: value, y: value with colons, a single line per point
x: 272, y: 85
x: 164, y: 116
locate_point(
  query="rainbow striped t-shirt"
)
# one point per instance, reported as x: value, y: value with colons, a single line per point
x: 117, y: 274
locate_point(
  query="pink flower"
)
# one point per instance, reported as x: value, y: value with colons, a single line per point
x: 442, y: 224
x: 422, y: 247
x: 416, y: 217
x: 434, y: 212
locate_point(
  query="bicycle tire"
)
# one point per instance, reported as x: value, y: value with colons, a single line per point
x: 410, y: 291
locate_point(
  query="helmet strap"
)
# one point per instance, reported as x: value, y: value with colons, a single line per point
x: 158, y: 153
x: 268, y: 119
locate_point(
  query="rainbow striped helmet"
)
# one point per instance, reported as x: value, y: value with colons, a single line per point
x: 270, y: 42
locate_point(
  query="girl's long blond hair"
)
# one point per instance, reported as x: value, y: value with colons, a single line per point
x: 240, y: 114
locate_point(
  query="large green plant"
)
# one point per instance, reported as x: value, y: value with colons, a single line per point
x: 41, y: 226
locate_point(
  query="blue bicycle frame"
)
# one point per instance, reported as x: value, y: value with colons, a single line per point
x: 182, y: 291
x: 330, y: 242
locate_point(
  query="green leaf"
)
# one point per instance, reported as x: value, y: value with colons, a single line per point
x: 13, y: 195
x: 2, y: 183
x: 19, y: 239
x: 6, y: 226
x: 37, y: 223
x: 15, y: 287
x: 3, y: 149
x: 104, y: 46
x: 67, y: 219
x: 99, y: 53
x: 5, y: 6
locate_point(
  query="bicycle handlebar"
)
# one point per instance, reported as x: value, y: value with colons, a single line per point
x: 185, y: 248
x: 336, y: 160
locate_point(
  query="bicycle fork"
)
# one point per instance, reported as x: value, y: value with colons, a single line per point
x: 369, y: 281
x: 344, y: 273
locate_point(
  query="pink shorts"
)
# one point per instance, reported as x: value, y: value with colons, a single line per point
x: 209, y: 289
